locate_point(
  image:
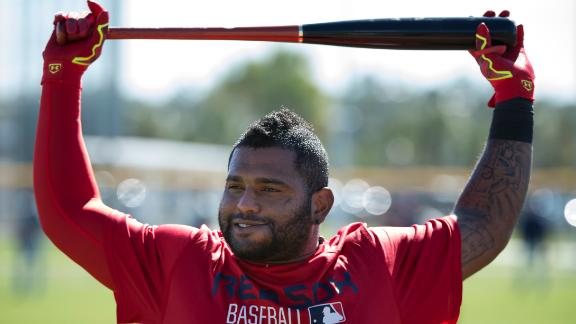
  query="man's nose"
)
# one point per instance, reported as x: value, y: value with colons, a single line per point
x: 248, y: 203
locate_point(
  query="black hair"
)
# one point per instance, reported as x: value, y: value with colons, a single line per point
x: 287, y: 130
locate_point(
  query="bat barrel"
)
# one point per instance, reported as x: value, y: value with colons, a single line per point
x: 410, y: 33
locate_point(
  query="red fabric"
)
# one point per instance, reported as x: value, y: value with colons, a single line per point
x: 67, y: 63
x: 179, y: 274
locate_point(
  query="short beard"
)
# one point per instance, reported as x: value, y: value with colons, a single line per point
x: 287, y: 242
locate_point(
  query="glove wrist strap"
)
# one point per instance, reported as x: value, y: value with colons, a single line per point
x: 513, y: 120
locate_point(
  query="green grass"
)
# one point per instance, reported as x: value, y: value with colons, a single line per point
x: 494, y: 295
x: 67, y: 294
x: 500, y: 294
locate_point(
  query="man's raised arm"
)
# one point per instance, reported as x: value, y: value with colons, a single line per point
x: 490, y: 204
x: 69, y: 205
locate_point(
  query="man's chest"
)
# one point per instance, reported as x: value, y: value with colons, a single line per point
x: 338, y: 295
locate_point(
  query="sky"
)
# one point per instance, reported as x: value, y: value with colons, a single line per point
x: 155, y: 70
x: 549, y: 27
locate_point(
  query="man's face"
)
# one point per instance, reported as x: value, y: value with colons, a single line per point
x: 265, y: 212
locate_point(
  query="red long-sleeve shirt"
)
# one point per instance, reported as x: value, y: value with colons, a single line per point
x: 181, y: 274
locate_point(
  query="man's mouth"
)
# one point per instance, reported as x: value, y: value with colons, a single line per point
x: 247, y: 223
x: 243, y: 224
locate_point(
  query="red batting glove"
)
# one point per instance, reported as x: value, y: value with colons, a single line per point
x: 508, y: 69
x: 75, y: 43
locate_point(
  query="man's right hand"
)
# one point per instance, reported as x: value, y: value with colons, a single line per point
x: 75, y: 43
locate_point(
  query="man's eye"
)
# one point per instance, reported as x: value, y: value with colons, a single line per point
x: 233, y: 187
x: 270, y: 189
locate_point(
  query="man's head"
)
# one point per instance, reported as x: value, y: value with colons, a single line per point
x: 275, y: 195
x: 286, y: 130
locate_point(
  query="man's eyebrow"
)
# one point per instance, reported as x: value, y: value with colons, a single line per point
x: 233, y: 178
x: 263, y: 180
x: 271, y: 181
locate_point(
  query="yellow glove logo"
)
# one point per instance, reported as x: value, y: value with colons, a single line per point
x: 498, y: 75
x: 86, y: 60
x: 54, y: 68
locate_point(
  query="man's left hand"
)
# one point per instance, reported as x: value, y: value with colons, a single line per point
x: 507, y: 69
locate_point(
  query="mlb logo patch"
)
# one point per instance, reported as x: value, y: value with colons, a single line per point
x: 327, y: 313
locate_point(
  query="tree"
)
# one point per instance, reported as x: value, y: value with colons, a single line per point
x: 254, y: 89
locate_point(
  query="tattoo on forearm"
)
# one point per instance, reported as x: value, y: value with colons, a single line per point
x: 491, y: 202
x: 476, y: 236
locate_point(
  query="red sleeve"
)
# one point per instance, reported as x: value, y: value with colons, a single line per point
x: 69, y: 205
x: 424, y: 263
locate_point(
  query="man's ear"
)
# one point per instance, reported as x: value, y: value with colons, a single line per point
x: 322, y: 201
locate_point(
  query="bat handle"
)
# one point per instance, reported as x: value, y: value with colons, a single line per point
x: 61, y: 36
x: 287, y: 34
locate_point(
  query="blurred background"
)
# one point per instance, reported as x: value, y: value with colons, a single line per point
x: 403, y: 130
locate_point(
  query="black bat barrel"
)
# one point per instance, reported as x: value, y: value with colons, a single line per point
x: 410, y: 33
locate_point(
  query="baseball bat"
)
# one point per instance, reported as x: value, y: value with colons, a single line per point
x: 398, y: 33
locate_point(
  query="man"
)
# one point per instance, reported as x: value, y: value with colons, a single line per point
x: 269, y: 264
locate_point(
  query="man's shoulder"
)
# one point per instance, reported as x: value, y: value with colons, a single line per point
x: 362, y: 234
x: 355, y: 233
x: 202, y: 237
